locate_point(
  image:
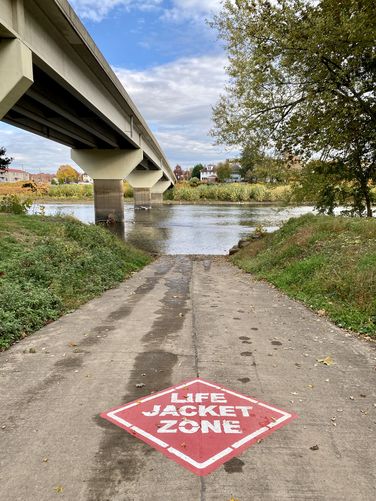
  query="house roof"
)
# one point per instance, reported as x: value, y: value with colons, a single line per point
x: 16, y: 170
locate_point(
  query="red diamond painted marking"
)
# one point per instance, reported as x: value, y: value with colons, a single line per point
x: 198, y: 424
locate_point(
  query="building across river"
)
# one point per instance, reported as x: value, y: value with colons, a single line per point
x: 14, y: 175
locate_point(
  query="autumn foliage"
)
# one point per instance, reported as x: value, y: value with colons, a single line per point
x: 67, y: 174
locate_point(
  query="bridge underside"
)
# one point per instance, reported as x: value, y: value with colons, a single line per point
x: 50, y: 110
x: 56, y: 83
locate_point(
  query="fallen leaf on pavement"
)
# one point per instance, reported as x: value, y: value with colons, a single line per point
x: 326, y: 361
x: 59, y: 489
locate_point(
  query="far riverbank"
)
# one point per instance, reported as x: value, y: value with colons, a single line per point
x: 90, y: 201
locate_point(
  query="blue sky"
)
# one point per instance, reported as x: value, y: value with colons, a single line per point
x: 170, y: 62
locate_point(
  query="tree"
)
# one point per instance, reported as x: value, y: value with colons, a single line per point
x: 4, y: 160
x: 196, y: 170
x: 67, y: 174
x: 223, y: 171
x: 302, y: 83
x: 248, y: 161
x: 178, y: 171
x: 273, y: 170
x: 329, y: 185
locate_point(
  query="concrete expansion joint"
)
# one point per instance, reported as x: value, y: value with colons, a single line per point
x: 196, y: 357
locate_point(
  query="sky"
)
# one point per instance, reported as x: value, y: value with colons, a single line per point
x: 170, y: 62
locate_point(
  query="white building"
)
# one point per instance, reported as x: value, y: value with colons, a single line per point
x: 208, y: 174
x: 13, y: 175
x: 85, y: 178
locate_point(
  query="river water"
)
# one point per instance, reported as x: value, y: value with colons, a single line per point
x: 187, y: 229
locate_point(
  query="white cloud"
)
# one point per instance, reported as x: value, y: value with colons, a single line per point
x: 196, y: 10
x: 96, y: 10
x: 176, y: 100
x: 31, y: 152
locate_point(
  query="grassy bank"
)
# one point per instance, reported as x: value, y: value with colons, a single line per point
x: 51, y: 265
x: 329, y: 263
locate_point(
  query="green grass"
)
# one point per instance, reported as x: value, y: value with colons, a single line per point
x: 329, y: 263
x: 229, y: 192
x: 51, y: 265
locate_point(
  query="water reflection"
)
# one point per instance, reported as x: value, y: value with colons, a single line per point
x: 188, y: 229
x: 149, y: 230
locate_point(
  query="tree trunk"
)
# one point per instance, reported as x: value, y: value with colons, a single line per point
x: 367, y: 198
x: 366, y: 192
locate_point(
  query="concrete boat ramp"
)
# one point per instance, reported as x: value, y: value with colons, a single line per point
x: 179, y: 319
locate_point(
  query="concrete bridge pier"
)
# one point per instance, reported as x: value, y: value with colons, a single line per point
x: 108, y: 168
x: 157, y: 191
x: 16, y: 70
x: 142, y: 182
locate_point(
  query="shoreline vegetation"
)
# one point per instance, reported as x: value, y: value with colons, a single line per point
x: 182, y: 192
x: 51, y: 265
x: 327, y: 262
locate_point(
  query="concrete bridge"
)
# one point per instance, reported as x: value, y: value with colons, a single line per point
x: 56, y: 83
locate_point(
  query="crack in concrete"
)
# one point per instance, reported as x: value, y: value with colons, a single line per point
x: 196, y: 355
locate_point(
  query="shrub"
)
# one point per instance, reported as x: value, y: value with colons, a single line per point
x: 128, y: 190
x: 71, y: 191
x: 194, y: 181
x: 230, y: 192
x: 168, y: 195
x: 12, y: 204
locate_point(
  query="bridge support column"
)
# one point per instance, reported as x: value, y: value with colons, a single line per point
x: 108, y: 168
x: 142, y: 197
x: 157, y: 191
x: 16, y: 70
x: 142, y: 181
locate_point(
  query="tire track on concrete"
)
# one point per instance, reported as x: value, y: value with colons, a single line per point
x: 121, y: 457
